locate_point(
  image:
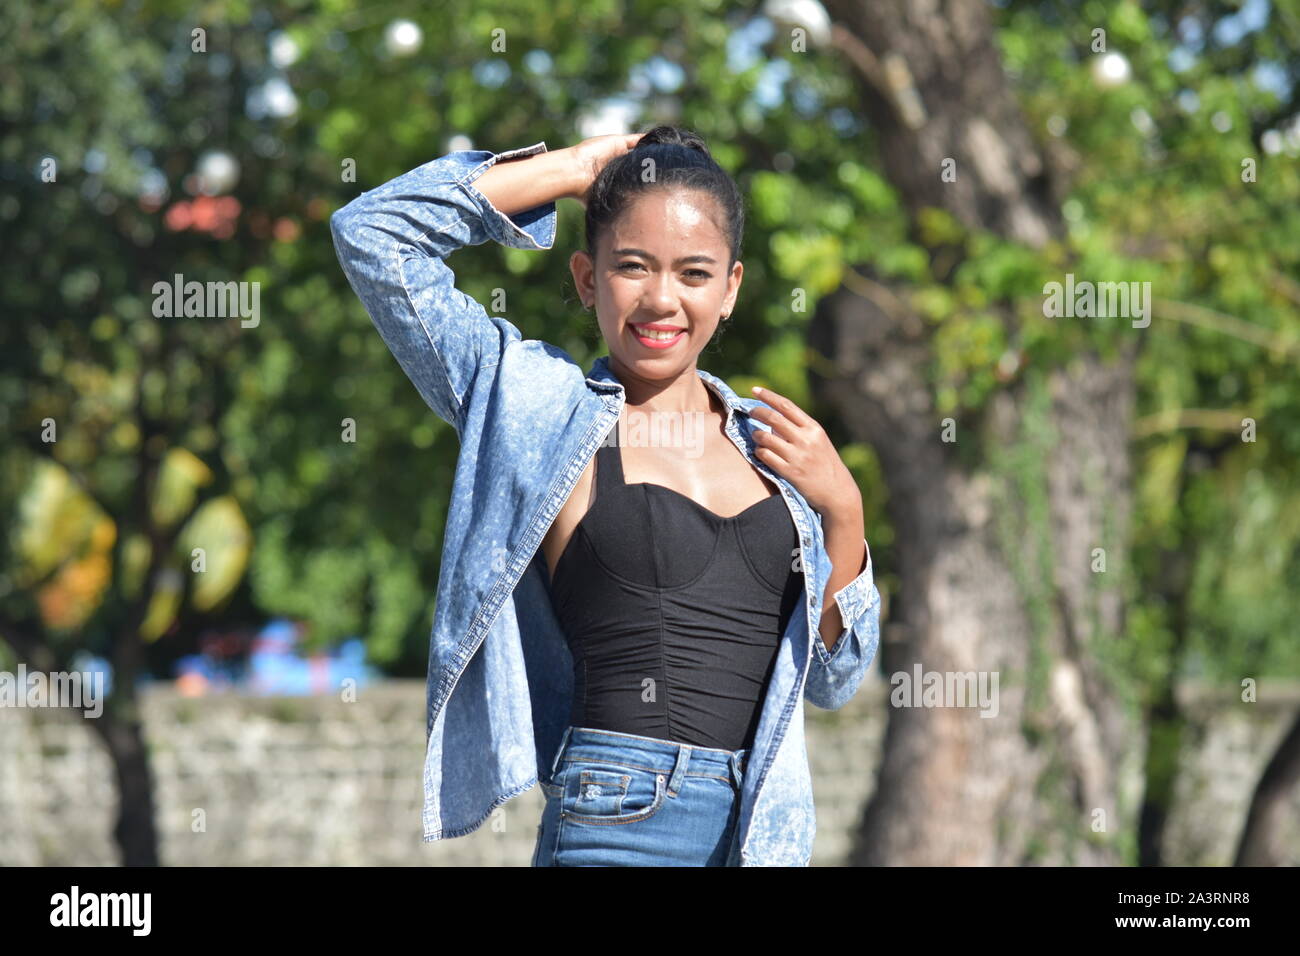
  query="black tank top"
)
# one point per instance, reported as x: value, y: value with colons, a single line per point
x: 673, y: 614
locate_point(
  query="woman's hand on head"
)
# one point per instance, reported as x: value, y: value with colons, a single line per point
x: 591, y: 155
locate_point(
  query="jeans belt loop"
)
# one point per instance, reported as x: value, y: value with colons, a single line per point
x: 679, y: 770
x: 555, y: 763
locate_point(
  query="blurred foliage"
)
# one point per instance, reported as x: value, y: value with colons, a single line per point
x: 175, y: 434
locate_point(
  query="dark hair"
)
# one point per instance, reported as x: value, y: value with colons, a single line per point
x: 680, y: 159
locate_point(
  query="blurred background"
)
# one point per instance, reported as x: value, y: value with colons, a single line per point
x: 1105, y: 513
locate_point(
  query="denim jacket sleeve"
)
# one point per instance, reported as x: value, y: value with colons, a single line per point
x: 834, y: 675
x: 392, y: 242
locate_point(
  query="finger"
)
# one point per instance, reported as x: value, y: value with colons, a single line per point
x: 779, y: 424
x: 783, y: 433
x: 772, y: 460
x: 775, y: 441
x: 783, y: 405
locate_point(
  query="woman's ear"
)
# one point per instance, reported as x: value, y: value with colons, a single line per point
x: 583, y: 270
x: 733, y: 287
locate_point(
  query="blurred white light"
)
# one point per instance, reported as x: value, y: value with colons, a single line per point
x: 1291, y: 136
x: 1142, y: 121
x: 402, y: 38
x: 808, y: 14
x: 284, y: 49
x: 1110, y: 69
x: 153, y: 185
x: 278, y: 98
x: 609, y: 117
x: 1181, y: 59
x: 1057, y: 124
x: 1221, y: 121
x: 218, y: 172
x: 95, y: 161
x: 538, y: 61
x: 1272, y: 142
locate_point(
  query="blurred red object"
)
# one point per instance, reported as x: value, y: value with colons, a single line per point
x: 215, y: 215
x: 286, y: 230
x: 191, y: 684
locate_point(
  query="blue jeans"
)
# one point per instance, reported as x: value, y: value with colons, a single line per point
x: 626, y: 800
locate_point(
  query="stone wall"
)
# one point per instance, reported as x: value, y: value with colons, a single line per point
x: 316, y: 781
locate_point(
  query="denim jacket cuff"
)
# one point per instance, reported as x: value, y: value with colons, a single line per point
x: 853, y: 600
x: 530, y: 229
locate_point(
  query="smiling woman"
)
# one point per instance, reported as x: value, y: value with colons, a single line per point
x: 652, y: 615
x: 672, y: 194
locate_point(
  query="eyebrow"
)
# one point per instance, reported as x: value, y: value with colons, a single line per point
x: 677, y: 262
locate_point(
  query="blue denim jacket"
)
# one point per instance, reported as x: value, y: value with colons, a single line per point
x: 529, y: 420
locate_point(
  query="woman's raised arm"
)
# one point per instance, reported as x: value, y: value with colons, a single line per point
x: 392, y: 242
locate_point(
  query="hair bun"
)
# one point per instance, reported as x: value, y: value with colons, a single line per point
x: 674, y: 136
x: 680, y: 160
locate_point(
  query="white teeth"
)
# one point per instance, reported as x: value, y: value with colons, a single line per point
x: 659, y: 334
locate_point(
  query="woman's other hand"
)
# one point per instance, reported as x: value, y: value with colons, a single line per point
x: 799, y: 450
x: 591, y: 155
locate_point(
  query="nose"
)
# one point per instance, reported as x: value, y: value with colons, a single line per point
x: 660, y: 295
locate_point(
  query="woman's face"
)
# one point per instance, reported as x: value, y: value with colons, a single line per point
x: 662, y: 264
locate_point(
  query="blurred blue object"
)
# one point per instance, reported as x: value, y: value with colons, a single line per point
x: 274, y: 665
x: 87, y: 663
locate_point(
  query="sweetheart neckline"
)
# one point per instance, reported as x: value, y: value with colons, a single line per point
x: 708, y: 511
x: 564, y: 553
x: 623, y: 483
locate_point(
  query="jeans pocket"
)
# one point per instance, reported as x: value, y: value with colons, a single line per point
x: 605, y: 794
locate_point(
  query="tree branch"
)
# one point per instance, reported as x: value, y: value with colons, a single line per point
x: 1224, y: 324
x: 1173, y: 419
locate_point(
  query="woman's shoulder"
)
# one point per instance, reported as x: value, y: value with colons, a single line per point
x: 542, y: 375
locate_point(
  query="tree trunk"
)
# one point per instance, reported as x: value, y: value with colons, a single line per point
x: 994, y: 532
x: 1261, y: 840
x: 134, y: 830
x: 1166, y: 723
